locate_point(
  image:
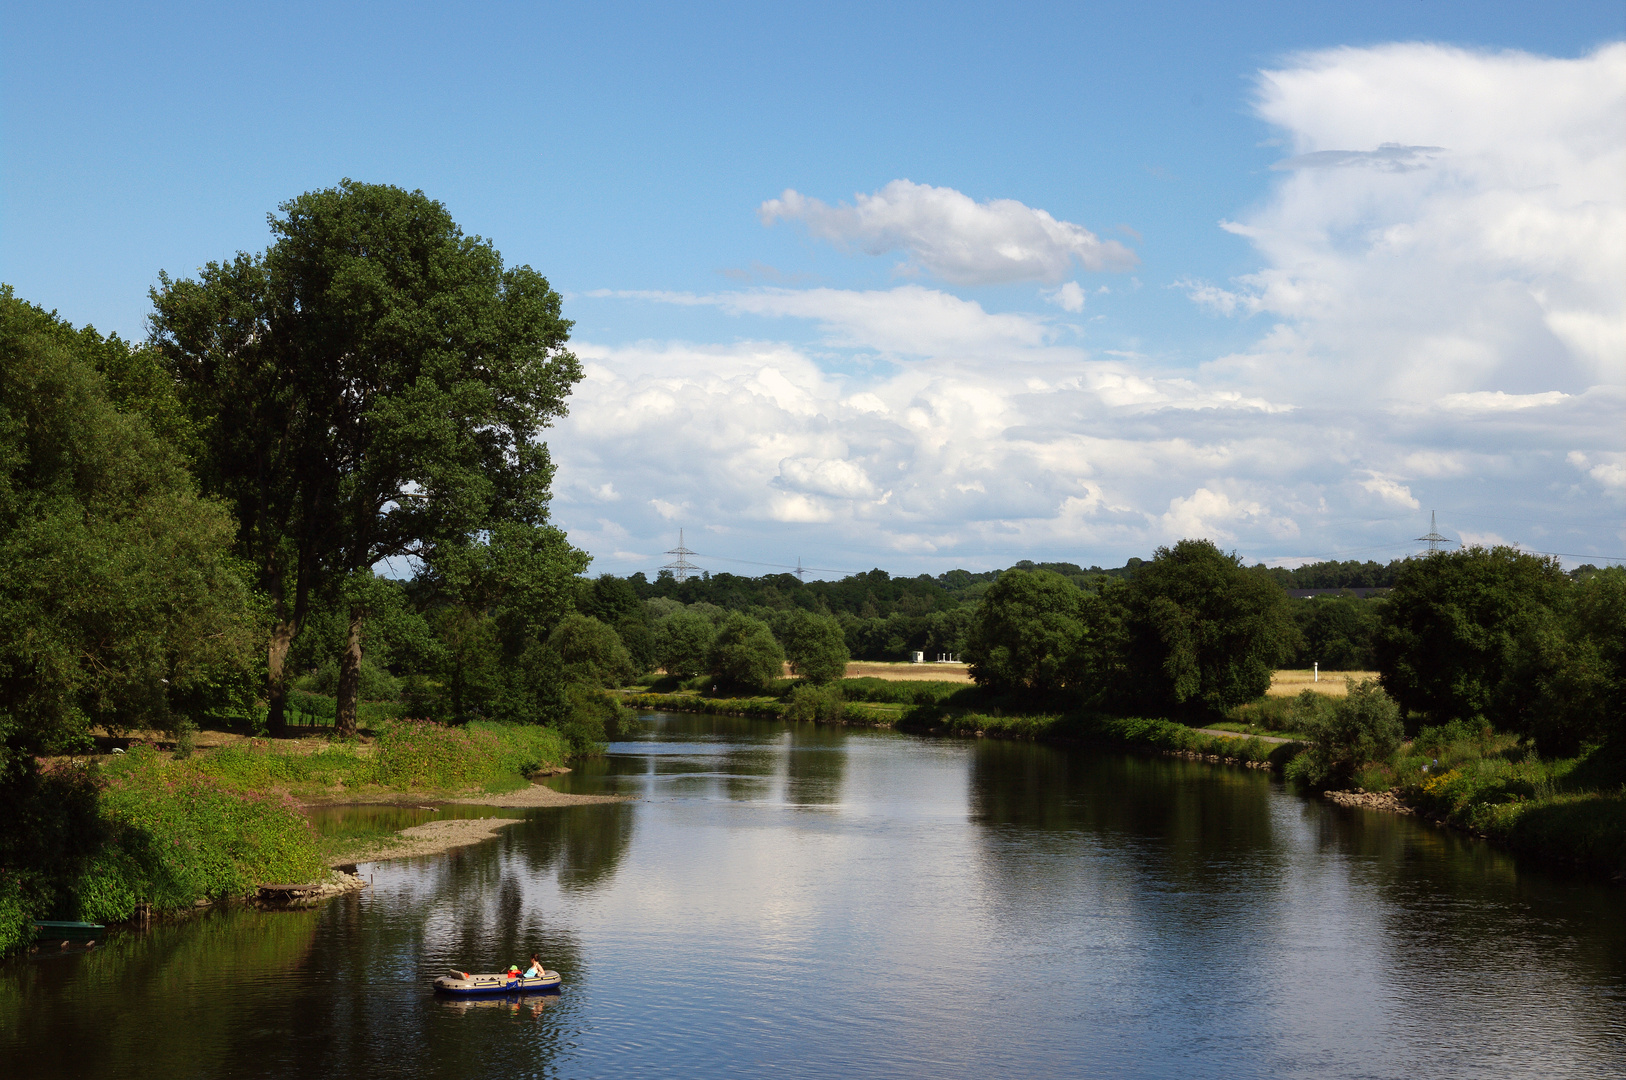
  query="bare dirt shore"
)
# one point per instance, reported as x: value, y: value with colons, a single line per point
x: 436, y: 837
x: 536, y: 795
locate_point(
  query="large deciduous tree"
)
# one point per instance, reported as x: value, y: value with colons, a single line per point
x: 1493, y: 635
x: 1201, y: 632
x: 1026, y: 632
x: 372, y: 386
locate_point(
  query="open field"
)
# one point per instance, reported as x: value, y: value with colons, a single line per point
x: 1289, y: 683
x: 1283, y: 684
x: 870, y: 669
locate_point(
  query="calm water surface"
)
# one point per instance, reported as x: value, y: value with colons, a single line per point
x: 798, y: 902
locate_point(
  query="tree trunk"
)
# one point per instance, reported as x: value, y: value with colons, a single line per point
x: 346, y: 715
x: 276, y: 694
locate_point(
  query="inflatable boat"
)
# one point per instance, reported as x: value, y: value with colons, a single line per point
x: 462, y: 984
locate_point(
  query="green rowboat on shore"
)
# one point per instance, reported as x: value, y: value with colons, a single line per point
x: 50, y: 930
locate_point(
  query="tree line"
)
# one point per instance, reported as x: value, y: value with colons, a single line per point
x: 189, y: 527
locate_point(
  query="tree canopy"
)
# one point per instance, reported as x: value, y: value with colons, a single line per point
x: 120, y: 603
x: 1202, y: 632
x: 1027, y: 632
x: 371, y: 386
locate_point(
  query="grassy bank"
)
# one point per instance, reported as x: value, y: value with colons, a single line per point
x: 1163, y: 736
x: 146, y: 829
x: 763, y: 706
x: 1571, y: 810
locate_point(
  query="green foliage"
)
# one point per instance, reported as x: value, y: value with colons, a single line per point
x: 682, y: 643
x: 912, y: 692
x: 745, y: 653
x: 592, y: 719
x: 814, y: 645
x: 1337, y: 632
x: 1458, y: 624
x: 821, y: 704
x: 1573, y: 661
x: 609, y: 599
x: 372, y: 386
x: 1345, y: 733
x: 1201, y: 633
x: 177, y: 835
x: 590, y: 652
x: 1027, y: 632
x: 635, y: 633
x: 119, y: 601
x: 1135, y: 732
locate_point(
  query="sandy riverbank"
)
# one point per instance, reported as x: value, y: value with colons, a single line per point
x: 437, y: 837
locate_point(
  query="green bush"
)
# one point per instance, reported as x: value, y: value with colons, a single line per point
x: 896, y: 692
x: 591, y: 652
x: 1361, y: 727
x: 745, y: 653
x: 592, y: 719
x: 682, y: 641
x: 814, y: 645
x: 822, y: 704
x: 177, y: 834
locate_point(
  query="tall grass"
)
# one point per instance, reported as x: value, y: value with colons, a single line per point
x: 176, y: 834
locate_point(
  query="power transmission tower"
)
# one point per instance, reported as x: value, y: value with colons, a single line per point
x: 1433, y: 539
x: 681, y: 567
x: 799, y: 570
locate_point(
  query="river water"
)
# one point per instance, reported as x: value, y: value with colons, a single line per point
x: 793, y: 901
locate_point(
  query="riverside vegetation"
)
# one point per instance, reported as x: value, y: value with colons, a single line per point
x: 188, y: 527
x: 148, y: 830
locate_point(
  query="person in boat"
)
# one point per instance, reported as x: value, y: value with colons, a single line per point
x: 536, y: 970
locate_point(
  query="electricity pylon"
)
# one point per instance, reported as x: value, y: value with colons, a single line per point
x: 1433, y: 539
x: 681, y: 567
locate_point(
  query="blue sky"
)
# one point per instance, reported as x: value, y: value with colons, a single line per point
x: 864, y: 379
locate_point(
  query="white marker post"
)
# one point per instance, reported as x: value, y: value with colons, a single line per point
x: 1317, y: 667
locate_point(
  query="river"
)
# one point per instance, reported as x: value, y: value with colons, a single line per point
x: 798, y: 901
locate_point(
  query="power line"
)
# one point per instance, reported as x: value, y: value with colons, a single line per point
x: 783, y: 566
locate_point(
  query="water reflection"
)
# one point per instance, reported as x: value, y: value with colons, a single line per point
x: 810, y: 902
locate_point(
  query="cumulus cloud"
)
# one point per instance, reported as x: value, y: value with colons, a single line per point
x: 1070, y: 297
x: 952, y: 236
x: 1452, y: 223
x: 1391, y: 491
x: 1439, y: 302
x: 1608, y: 469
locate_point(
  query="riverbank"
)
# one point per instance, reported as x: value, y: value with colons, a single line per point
x: 142, y: 831
x: 1570, y: 812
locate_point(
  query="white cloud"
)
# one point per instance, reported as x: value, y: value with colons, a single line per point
x: 1390, y: 491
x: 1070, y: 297
x: 1442, y: 260
x: 1497, y: 401
x: 1214, y: 515
x: 1610, y: 471
x: 909, y: 320
x: 1224, y: 301
x: 953, y: 236
x: 1451, y: 223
